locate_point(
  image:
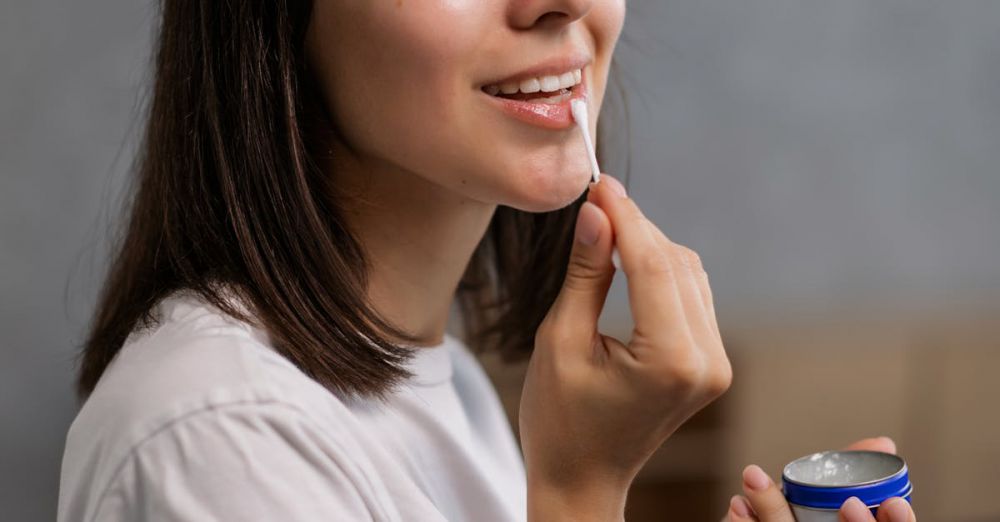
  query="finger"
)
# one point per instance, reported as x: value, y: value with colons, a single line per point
x: 588, y: 277
x: 853, y: 510
x: 740, y: 510
x: 653, y: 295
x: 767, y: 500
x: 690, y: 259
x: 698, y: 277
x: 701, y: 322
x: 896, y: 509
x: 686, y: 263
x: 883, y: 444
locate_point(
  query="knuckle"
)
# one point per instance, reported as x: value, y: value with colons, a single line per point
x: 693, y: 374
x: 684, y: 372
x: 721, y: 378
x: 583, y: 276
x: 655, y: 262
x: 585, y: 269
x: 696, y: 262
x: 690, y: 258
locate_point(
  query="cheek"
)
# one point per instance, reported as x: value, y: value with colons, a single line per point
x: 400, y: 85
x: 609, y: 17
x: 605, y: 26
x: 392, y: 70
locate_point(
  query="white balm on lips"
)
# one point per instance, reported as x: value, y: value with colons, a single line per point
x: 581, y: 117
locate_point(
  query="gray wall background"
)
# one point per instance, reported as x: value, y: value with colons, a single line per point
x: 817, y: 154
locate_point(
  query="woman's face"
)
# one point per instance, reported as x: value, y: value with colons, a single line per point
x: 425, y: 86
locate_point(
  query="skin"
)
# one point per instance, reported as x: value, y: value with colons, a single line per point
x: 420, y: 156
x: 421, y: 161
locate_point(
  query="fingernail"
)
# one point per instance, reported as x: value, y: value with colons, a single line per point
x: 739, y: 506
x: 588, y: 224
x: 855, y: 511
x: 756, y: 478
x: 897, y: 508
x: 614, y: 184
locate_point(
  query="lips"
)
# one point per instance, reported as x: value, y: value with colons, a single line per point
x: 541, y: 96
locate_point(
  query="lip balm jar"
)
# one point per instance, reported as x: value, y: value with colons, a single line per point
x: 817, y: 485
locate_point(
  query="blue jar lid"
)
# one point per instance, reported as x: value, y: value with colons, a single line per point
x: 825, y: 480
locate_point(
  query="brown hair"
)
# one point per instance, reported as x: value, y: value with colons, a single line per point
x: 229, y: 198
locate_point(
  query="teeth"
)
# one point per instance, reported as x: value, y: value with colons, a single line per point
x: 510, y: 87
x: 530, y: 85
x: 567, y: 80
x: 551, y: 83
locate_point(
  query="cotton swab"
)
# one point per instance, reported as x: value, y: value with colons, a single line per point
x: 579, y: 109
x: 580, y: 115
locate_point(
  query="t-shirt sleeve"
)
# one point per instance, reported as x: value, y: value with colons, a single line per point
x: 247, y: 462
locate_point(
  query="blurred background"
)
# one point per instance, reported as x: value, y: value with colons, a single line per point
x: 836, y: 164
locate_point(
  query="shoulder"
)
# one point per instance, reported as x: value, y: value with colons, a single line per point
x: 193, y: 358
x: 202, y: 389
x: 238, y: 461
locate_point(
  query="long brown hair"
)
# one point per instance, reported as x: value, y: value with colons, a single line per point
x: 229, y: 199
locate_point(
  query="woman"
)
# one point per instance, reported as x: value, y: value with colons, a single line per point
x: 318, y: 182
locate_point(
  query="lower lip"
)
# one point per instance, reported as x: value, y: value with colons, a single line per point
x: 555, y: 116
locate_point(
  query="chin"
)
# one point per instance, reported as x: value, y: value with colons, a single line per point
x: 546, y: 190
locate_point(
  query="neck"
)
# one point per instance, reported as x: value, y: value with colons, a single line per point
x: 418, y: 235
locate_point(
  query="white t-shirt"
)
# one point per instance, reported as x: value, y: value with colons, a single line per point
x: 201, y: 419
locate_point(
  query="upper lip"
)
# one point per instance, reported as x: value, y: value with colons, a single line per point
x: 553, y: 66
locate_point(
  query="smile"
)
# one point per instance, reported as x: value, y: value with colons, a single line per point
x: 543, y: 101
x: 543, y: 89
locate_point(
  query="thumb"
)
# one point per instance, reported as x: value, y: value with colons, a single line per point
x: 589, y: 273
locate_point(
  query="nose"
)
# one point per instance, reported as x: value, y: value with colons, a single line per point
x: 550, y: 14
